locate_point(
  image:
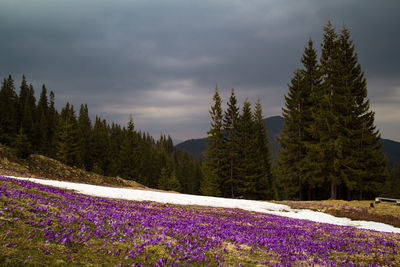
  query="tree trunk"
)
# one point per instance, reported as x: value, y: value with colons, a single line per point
x: 333, y: 191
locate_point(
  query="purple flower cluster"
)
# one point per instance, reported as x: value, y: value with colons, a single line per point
x: 191, y: 235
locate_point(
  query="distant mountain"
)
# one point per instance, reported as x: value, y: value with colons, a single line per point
x: 195, y: 147
x: 274, y: 125
x: 392, y: 151
x: 176, y: 141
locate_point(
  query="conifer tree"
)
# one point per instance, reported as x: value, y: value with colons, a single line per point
x: 173, y: 183
x: 292, y: 151
x: 364, y: 164
x: 329, y: 115
x: 116, y: 139
x: 42, y: 127
x: 22, y: 98
x: 99, y: 152
x: 52, y: 123
x: 295, y: 160
x: 8, y: 111
x: 187, y: 174
x: 27, y: 110
x: 245, y: 183
x: 22, y: 145
x: 85, y: 131
x: 265, y: 186
x: 67, y: 137
x: 231, y: 141
x: 163, y: 179
x: 214, y: 156
x: 130, y: 154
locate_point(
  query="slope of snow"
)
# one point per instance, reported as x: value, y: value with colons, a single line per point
x: 184, y: 199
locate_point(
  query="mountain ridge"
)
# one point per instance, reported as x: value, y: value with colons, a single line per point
x: 274, y: 125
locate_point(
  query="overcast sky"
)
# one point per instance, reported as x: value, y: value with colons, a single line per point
x: 161, y: 60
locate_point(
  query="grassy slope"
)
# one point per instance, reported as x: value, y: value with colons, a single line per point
x: 42, y: 167
x: 24, y: 243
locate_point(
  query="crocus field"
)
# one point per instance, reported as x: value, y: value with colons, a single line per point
x: 43, y: 225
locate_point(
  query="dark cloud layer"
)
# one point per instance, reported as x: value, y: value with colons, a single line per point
x: 160, y: 60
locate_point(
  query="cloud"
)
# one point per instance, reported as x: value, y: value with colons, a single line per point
x: 161, y: 60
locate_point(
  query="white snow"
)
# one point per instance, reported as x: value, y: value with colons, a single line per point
x: 184, y: 199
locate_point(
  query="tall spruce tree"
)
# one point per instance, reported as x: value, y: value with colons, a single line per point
x: 245, y: 183
x: 52, y: 123
x: 292, y: 150
x: 42, y: 127
x: 22, y: 145
x: 99, y: 151
x: 364, y: 164
x: 330, y: 115
x: 67, y: 137
x: 8, y: 111
x: 297, y: 164
x: 85, y: 132
x: 310, y: 87
x: 130, y: 153
x: 231, y: 141
x: 27, y: 110
x: 265, y: 185
x: 214, y: 156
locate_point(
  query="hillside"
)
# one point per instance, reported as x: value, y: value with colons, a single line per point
x: 274, y: 127
x: 43, y: 167
x: 45, y: 225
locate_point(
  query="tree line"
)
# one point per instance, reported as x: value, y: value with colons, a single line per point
x: 32, y: 126
x: 330, y: 147
x: 237, y: 162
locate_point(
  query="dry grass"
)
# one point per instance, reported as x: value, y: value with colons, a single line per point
x: 385, y: 212
x: 38, y: 166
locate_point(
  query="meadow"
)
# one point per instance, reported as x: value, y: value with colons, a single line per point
x: 42, y: 225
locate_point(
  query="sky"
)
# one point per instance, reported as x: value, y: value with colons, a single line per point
x: 160, y: 60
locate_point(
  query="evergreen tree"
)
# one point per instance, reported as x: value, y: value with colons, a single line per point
x: 85, y: 132
x: 330, y: 115
x: 187, y: 173
x: 27, y: 110
x: 214, y: 156
x: 364, y: 164
x: 8, y: 111
x: 245, y: 183
x: 116, y: 139
x: 42, y: 127
x: 22, y: 99
x: 163, y: 180
x: 292, y: 150
x: 130, y: 154
x: 173, y: 183
x: 52, y: 122
x: 264, y: 184
x: 231, y: 141
x: 99, y: 151
x: 68, y: 138
x: 22, y: 145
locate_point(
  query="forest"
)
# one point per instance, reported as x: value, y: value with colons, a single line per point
x: 32, y: 126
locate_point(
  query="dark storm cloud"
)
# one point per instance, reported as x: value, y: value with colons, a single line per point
x: 160, y: 60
